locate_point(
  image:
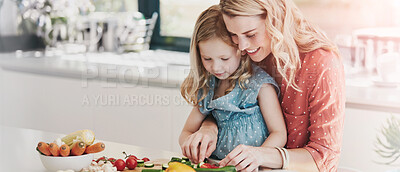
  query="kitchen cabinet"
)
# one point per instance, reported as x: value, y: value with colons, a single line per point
x: 62, y: 105
x: 361, y: 128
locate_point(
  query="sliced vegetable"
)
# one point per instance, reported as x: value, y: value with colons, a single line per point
x: 229, y: 168
x: 199, y: 165
x: 176, y: 159
x: 95, y: 148
x: 44, y: 148
x: 140, y: 163
x: 152, y: 170
x: 165, y: 166
x: 86, y: 136
x: 78, y: 148
x: 185, y: 158
x: 64, y: 150
x: 148, y: 165
x: 54, y: 149
x: 186, y: 162
x: 207, y: 165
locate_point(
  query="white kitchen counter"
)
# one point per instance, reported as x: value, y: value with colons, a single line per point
x: 168, y: 69
x: 18, y: 149
x: 157, y: 68
x: 363, y: 93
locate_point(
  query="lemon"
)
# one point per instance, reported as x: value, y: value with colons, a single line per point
x: 179, y: 167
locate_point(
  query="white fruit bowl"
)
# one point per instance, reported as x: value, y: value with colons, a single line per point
x: 75, y: 163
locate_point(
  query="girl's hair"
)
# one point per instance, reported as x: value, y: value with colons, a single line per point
x: 289, y: 31
x: 210, y: 25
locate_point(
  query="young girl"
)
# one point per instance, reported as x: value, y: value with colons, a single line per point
x: 239, y: 95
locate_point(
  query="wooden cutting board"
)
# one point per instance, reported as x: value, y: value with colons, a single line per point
x: 157, y: 165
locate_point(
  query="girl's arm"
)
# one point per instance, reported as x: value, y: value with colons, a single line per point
x: 272, y: 113
x: 197, y: 131
x: 193, y: 123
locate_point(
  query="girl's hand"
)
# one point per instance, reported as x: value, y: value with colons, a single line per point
x: 200, y: 144
x: 244, y: 158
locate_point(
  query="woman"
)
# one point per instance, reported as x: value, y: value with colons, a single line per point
x: 307, y: 66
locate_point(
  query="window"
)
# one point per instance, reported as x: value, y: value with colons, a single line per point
x: 116, y: 5
x: 179, y: 17
x: 176, y: 21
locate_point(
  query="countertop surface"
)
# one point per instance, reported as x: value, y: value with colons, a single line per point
x: 168, y: 69
x: 18, y: 153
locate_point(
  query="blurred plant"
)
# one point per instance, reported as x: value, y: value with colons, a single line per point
x: 387, y: 144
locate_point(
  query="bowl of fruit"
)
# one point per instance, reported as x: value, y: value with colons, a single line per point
x: 75, y: 163
x: 72, y: 152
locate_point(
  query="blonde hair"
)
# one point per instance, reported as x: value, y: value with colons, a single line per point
x: 290, y: 33
x: 210, y: 25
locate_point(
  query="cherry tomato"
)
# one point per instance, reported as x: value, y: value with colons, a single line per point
x: 129, y: 156
x: 112, y: 160
x: 133, y: 156
x: 131, y: 163
x: 101, y: 158
x: 145, y: 159
x: 120, y: 164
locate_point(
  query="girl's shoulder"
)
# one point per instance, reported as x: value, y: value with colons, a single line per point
x: 261, y: 77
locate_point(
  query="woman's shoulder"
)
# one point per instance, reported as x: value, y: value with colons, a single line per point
x: 320, y: 56
x: 321, y: 59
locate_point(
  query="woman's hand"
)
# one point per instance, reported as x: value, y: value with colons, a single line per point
x: 244, y: 158
x: 202, y: 143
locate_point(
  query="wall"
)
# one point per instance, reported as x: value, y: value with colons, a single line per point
x: 341, y: 17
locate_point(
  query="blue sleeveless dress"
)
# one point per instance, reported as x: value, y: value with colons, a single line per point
x: 237, y: 113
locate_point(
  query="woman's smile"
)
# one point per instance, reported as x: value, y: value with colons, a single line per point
x: 252, y: 51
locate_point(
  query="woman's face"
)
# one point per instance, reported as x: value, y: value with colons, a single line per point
x: 250, y: 34
x: 219, y: 58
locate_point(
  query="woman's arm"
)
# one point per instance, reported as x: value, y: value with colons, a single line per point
x: 272, y: 113
x: 199, y: 137
x: 300, y: 159
x: 326, y: 99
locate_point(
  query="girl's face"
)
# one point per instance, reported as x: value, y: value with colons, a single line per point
x: 219, y: 58
x: 250, y: 34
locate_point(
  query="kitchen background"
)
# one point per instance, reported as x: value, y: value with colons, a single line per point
x: 73, y: 64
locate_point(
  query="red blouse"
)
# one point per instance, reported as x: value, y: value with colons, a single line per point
x: 315, y: 117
